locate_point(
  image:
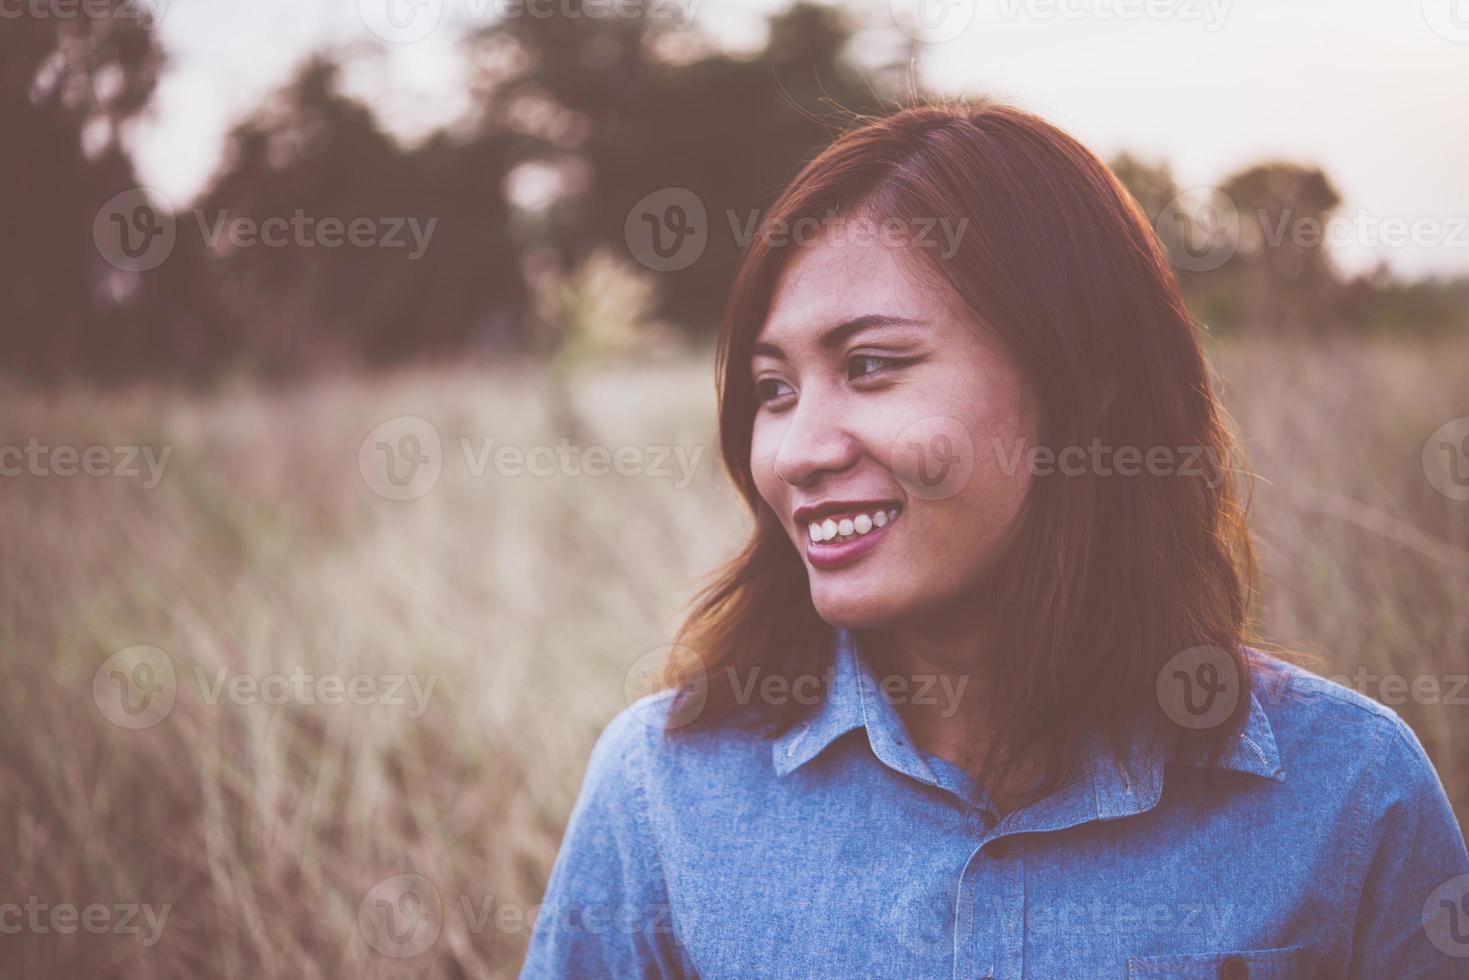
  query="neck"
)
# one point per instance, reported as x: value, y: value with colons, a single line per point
x: 937, y: 678
x: 941, y: 684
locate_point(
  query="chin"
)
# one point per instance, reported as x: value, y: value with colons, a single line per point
x: 857, y: 606
x: 885, y: 602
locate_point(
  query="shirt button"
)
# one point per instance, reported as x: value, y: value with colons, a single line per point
x: 1233, y: 968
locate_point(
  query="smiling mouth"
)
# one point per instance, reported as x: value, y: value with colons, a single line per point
x: 838, y: 540
x: 841, y: 528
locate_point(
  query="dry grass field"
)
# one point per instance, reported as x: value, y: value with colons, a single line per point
x: 364, y: 688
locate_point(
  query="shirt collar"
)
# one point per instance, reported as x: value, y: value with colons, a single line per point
x: 853, y: 700
x: 1104, y: 791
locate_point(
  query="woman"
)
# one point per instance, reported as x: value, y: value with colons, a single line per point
x: 978, y: 698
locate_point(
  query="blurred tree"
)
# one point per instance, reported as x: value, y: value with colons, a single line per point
x: 1435, y: 304
x: 1276, y: 271
x: 604, y: 309
x: 1151, y: 185
x: 68, y: 86
x: 578, y: 118
x: 432, y: 272
x: 1281, y: 274
x: 615, y: 122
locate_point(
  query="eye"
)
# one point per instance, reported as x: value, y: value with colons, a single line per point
x: 865, y: 365
x: 768, y: 389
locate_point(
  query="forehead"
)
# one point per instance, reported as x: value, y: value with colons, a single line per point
x: 830, y: 282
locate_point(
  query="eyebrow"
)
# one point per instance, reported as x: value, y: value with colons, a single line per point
x: 834, y: 337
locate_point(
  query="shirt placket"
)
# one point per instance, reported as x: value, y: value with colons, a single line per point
x: 989, y: 910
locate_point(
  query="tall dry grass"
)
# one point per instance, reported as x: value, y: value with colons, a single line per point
x: 267, y: 829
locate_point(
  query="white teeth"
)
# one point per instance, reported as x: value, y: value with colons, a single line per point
x: 849, y: 527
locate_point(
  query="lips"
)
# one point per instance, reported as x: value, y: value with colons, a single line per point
x: 841, y: 532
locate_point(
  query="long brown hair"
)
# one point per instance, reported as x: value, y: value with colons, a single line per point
x: 1104, y: 578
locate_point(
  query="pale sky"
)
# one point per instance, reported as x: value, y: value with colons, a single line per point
x: 1374, y: 91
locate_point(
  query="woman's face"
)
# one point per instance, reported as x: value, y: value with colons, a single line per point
x: 891, y: 422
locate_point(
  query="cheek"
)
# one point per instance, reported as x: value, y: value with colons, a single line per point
x: 954, y: 440
x: 763, y: 445
x: 963, y: 467
x: 1000, y: 475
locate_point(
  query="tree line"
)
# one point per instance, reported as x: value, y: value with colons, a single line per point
x: 322, y: 238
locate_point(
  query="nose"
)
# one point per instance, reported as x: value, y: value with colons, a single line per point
x: 816, y: 441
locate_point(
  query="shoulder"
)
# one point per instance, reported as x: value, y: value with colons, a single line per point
x: 1398, y: 851
x: 1302, y: 704
x: 639, y: 752
x: 617, y: 769
x: 1327, y: 730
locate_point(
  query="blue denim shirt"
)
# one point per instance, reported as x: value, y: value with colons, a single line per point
x: 842, y: 850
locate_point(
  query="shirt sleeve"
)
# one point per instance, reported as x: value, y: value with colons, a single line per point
x: 605, y: 911
x: 1412, y: 922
